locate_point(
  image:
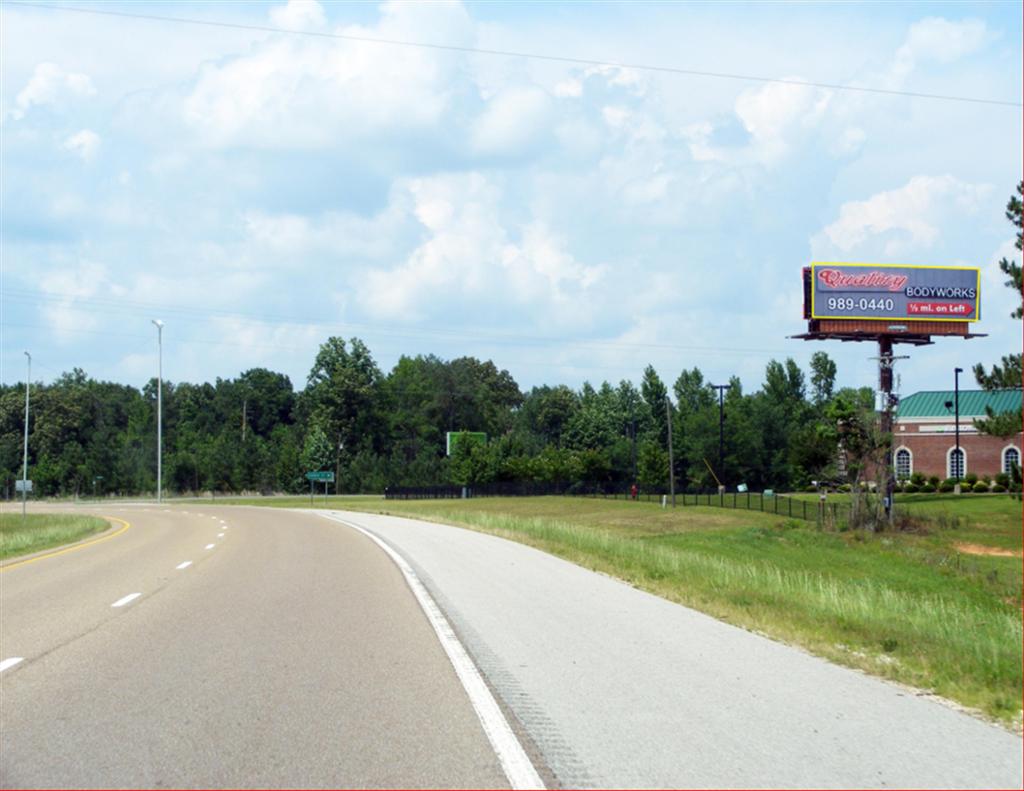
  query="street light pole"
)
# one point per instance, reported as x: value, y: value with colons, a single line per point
x: 24, y: 462
x: 721, y: 428
x: 956, y: 428
x: 159, y: 408
x: 671, y: 459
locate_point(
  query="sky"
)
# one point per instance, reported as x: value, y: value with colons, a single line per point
x: 272, y: 178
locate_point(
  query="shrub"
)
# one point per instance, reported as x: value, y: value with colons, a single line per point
x: 986, y: 479
x: 844, y: 487
x: 1002, y: 479
x: 999, y: 488
x: 917, y: 479
x: 910, y: 488
x: 809, y: 488
x: 971, y: 478
x: 980, y: 486
x: 947, y: 485
x: 928, y: 487
x: 934, y: 481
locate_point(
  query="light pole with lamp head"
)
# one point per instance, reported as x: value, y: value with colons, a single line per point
x: 24, y: 462
x: 959, y: 464
x: 159, y: 408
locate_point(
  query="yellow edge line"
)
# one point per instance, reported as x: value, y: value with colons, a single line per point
x: 72, y: 548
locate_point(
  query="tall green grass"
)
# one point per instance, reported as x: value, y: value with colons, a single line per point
x: 34, y: 532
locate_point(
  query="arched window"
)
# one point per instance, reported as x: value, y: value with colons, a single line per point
x: 1011, y: 456
x: 956, y: 463
x: 904, y: 464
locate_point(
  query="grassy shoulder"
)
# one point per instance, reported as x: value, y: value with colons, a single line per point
x: 906, y: 607
x: 34, y: 532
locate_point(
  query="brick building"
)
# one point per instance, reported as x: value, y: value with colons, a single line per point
x: 924, y: 434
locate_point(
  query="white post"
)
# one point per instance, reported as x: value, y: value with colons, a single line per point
x: 24, y: 463
x: 159, y: 409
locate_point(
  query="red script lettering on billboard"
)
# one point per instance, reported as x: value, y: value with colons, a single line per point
x: 833, y: 278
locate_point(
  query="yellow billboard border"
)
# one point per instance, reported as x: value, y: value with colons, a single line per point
x: 977, y: 287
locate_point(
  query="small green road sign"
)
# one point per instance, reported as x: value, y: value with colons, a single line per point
x: 316, y: 475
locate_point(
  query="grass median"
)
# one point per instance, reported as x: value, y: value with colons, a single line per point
x: 23, y: 535
x: 907, y: 607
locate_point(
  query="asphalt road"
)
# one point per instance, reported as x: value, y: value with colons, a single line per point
x: 618, y: 688
x: 289, y: 652
x: 273, y: 648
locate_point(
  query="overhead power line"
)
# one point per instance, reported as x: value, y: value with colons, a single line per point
x: 515, y: 54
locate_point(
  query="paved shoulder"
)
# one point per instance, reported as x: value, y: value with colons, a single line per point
x: 619, y: 688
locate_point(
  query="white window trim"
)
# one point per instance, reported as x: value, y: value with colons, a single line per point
x: 1002, y: 457
x: 908, y: 450
x: 949, y: 456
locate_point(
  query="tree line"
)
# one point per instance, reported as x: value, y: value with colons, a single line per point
x: 376, y: 429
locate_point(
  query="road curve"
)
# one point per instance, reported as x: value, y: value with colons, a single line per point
x: 618, y: 688
x: 264, y: 648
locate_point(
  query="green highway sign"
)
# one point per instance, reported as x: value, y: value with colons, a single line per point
x: 320, y: 476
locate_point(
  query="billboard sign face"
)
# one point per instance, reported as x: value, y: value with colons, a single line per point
x: 886, y: 292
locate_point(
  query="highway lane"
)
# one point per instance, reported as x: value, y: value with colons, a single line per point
x: 618, y: 688
x: 291, y: 653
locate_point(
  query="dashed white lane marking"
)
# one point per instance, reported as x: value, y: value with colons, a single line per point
x: 220, y: 535
x: 126, y: 599
x: 209, y: 546
x: 10, y: 662
x: 514, y: 761
x: 184, y: 565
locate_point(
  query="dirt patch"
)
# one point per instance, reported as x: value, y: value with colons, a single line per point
x: 980, y: 549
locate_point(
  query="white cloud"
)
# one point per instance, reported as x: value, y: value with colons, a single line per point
x: 84, y: 143
x: 848, y: 142
x: 299, y: 15
x: 512, y: 120
x: 778, y: 114
x: 296, y: 91
x: 473, y: 260
x: 50, y: 84
x: 66, y: 288
x: 901, y: 219
x: 938, y: 40
x: 569, y: 88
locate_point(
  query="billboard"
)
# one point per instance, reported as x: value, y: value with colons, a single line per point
x: 886, y: 291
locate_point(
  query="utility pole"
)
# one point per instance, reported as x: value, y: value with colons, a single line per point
x: 886, y: 361
x: 633, y: 435
x: 721, y: 430
x: 159, y: 409
x: 24, y: 462
x: 959, y: 464
x: 671, y: 462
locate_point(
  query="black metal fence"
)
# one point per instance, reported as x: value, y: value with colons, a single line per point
x: 783, y: 505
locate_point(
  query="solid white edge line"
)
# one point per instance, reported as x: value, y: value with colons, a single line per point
x: 184, y: 565
x: 514, y: 761
x: 10, y: 662
x: 125, y: 599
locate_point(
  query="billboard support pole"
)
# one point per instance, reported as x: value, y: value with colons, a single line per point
x: 886, y: 360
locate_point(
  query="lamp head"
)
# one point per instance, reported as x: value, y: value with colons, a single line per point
x: 958, y: 370
x: 157, y: 323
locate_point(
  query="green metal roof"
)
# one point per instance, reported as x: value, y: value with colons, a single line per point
x: 932, y: 403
